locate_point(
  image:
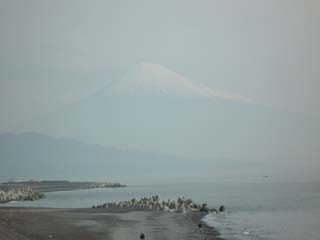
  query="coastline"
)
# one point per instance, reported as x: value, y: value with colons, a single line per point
x: 33, y: 190
x: 87, y: 223
x: 45, y: 186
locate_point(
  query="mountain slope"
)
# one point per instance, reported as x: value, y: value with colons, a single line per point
x: 156, y: 80
x: 32, y: 155
x: 154, y: 109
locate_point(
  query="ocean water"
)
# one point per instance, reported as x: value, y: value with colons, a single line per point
x: 278, y: 211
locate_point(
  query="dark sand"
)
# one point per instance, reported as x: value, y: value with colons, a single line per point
x: 87, y: 224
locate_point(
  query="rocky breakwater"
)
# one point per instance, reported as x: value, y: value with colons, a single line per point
x: 181, y: 205
x: 19, y: 194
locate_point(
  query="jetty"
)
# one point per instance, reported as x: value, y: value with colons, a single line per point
x: 181, y: 205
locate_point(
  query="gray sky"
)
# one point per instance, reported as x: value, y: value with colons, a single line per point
x: 53, y: 53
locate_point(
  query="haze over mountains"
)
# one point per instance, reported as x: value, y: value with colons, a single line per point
x: 36, y: 156
x: 149, y: 79
x: 154, y: 109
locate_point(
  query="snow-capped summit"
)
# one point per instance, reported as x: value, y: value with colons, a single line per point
x: 154, y: 109
x: 150, y: 78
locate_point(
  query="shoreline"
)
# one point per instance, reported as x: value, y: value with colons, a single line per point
x: 34, y: 190
x: 17, y: 223
x: 46, y: 186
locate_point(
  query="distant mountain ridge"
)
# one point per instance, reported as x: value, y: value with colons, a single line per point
x: 38, y: 156
x: 154, y: 109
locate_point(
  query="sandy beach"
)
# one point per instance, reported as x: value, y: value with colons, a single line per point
x: 68, y: 224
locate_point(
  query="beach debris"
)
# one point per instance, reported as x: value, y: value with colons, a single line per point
x: 142, y: 236
x: 221, y: 209
x: 181, y: 205
x: 200, y: 225
x: 204, y: 208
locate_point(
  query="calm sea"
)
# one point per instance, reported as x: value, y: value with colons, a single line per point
x: 279, y: 211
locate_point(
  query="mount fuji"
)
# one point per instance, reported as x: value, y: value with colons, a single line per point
x: 156, y: 80
x: 154, y: 109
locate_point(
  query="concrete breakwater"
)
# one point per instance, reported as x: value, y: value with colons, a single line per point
x: 57, y: 185
x: 19, y: 194
x: 181, y: 205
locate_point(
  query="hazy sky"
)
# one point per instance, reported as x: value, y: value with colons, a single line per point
x: 54, y: 52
